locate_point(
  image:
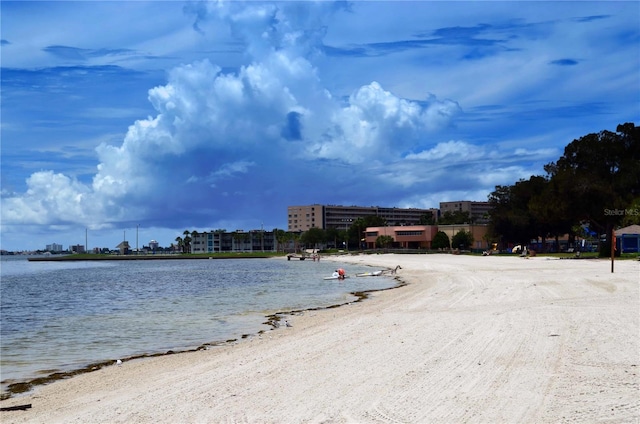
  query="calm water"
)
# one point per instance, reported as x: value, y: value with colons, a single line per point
x: 62, y: 316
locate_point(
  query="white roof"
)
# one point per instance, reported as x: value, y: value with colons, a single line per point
x: 631, y: 229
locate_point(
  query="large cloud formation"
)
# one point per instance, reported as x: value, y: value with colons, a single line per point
x: 229, y: 135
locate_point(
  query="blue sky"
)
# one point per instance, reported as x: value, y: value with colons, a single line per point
x: 166, y: 116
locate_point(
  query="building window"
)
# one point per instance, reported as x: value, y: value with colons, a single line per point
x: 409, y: 233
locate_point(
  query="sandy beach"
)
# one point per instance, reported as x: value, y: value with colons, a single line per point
x: 468, y: 340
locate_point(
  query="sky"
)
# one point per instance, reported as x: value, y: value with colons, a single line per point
x: 139, y: 119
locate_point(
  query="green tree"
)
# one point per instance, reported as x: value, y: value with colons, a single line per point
x: 186, y: 241
x: 511, y: 217
x: 462, y: 239
x: 550, y: 210
x: 599, y: 173
x: 180, y: 243
x: 632, y: 214
x: 313, y: 236
x: 440, y: 241
x: 356, y: 231
x: 455, y: 217
x: 295, y: 237
x: 384, y: 242
x: 282, y: 237
x: 334, y: 235
x: 427, y: 219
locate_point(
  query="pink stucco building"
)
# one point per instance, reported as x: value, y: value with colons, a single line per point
x: 420, y: 236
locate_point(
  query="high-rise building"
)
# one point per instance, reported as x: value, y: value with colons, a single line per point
x: 302, y: 218
x: 54, y: 247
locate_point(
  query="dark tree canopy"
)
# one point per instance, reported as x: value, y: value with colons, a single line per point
x: 427, y: 219
x: 313, y: 236
x: 384, y: 241
x: 462, y: 239
x: 510, y: 214
x: 456, y: 217
x: 597, y: 174
x: 440, y: 241
x: 357, y: 228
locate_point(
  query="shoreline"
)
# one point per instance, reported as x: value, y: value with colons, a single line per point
x: 84, y: 257
x: 25, y: 387
x: 468, y: 339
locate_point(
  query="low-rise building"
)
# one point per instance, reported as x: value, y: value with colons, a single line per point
x: 76, y: 248
x: 123, y: 247
x: 404, y: 237
x: 237, y: 241
x: 421, y: 236
x: 628, y: 239
x: 478, y: 232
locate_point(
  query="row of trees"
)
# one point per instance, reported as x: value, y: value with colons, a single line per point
x: 350, y: 238
x: 595, y: 184
x: 184, y: 243
x: 462, y: 239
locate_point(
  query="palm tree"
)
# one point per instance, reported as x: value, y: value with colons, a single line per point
x: 295, y: 237
x: 281, y: 238
x: 180, y: 243
x: 187, y: 241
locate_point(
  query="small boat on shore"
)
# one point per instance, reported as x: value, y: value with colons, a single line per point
x: 369, y: 274
x: 381, y: 272
x: 335, y: 277
x: 339, y: 274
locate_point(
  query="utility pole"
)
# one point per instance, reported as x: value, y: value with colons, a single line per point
x: 613, y: 246
x: 137, y: 226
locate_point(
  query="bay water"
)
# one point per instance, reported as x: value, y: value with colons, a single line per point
x: 64, y: 316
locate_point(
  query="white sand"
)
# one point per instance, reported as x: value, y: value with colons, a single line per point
x: 470, y: 339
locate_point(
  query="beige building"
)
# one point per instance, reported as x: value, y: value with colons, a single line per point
x: 479, y: 211
x: 302, y: 218
x: 405, y: 237
x: 478, y: 232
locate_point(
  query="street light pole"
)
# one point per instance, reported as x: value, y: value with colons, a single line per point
x: 137, y: 226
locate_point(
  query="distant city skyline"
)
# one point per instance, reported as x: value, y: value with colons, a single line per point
x: 207, y: 115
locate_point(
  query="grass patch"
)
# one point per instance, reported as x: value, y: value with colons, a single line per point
x: 158, y: 256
